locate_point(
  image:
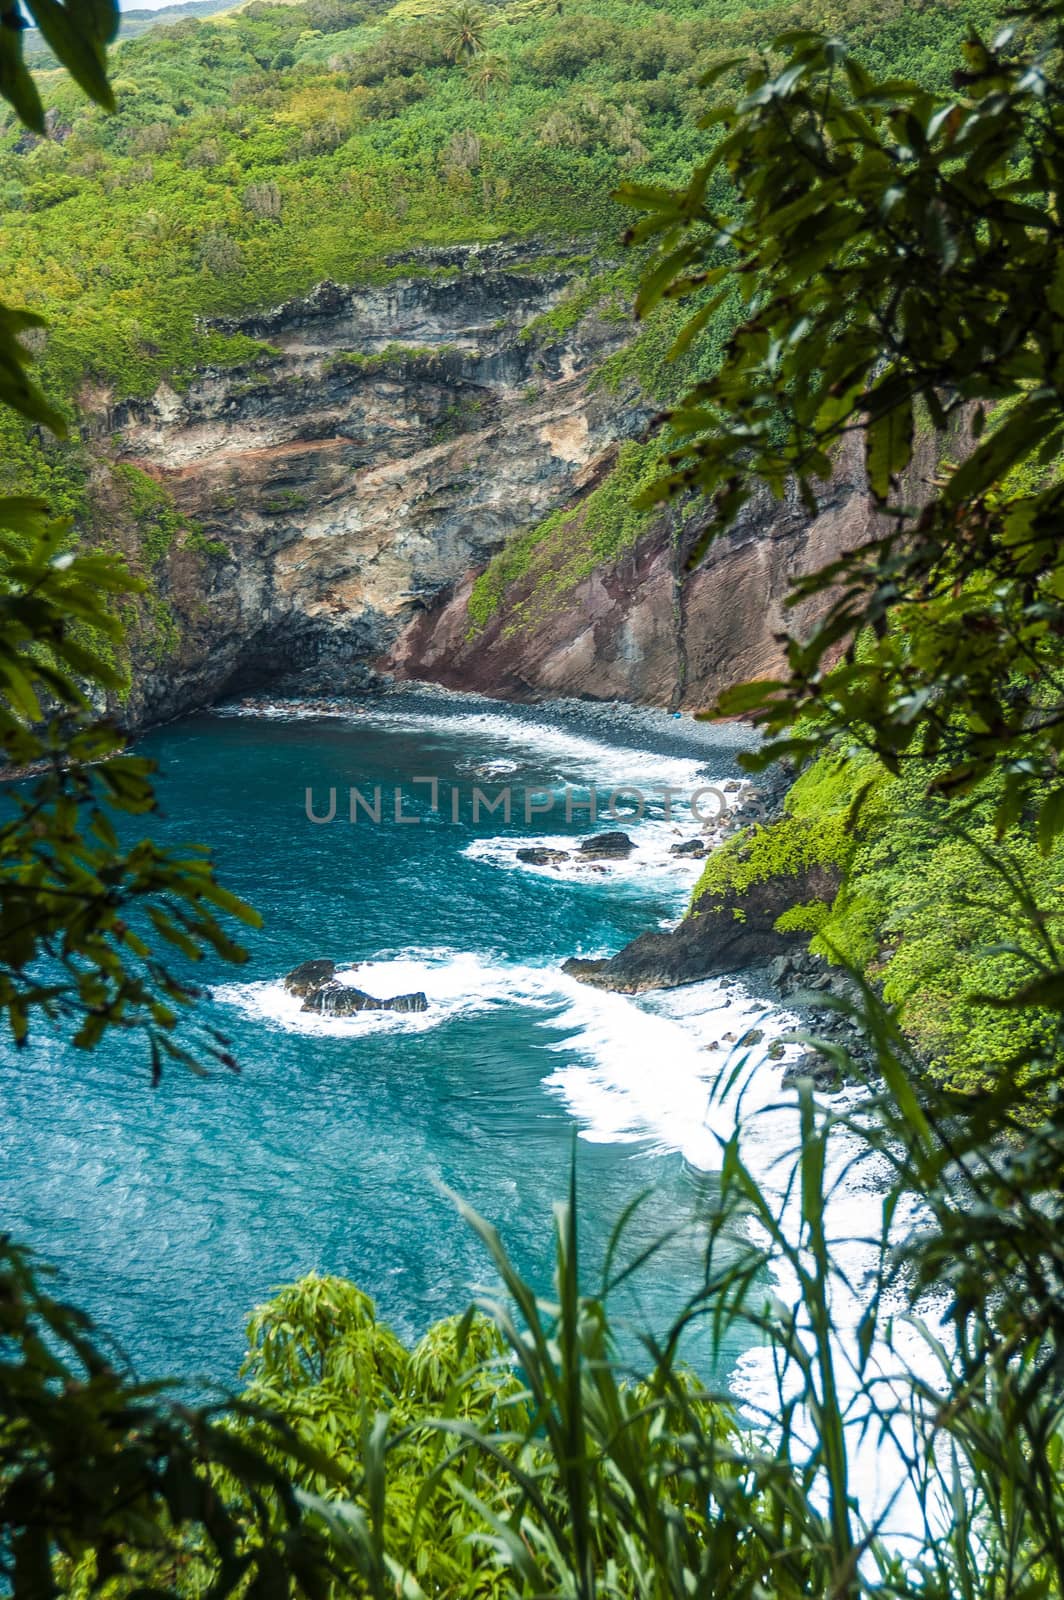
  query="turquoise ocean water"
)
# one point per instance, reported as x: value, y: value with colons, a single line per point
x: 171, y: 1212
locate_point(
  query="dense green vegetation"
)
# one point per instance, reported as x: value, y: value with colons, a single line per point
x: 512, y: 1453
x: 934, y: 908
x: 933, y: 677
x: 253, y: 154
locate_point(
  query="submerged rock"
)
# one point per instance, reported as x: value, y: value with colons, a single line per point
x: 341, y: 1000
x: 537, y: 857
x: 607, y: 847
x: 309, y: 976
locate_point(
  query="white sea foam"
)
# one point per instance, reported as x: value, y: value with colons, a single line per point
x: 638, y: 1069
x: 632, y: 1071
x: 454, y: 984
x: 652, y: 857
x: 674, y: 1070
x: 647, y: 1069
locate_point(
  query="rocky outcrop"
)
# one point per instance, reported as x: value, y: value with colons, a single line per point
x: 309, y: 976
x: 316, y: 983
x: 388, y: 439
x: 607, y: 847
x: 341, y: 1000
x: 723, y: 933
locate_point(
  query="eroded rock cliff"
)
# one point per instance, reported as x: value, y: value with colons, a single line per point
x: 639, y: 629
x: 333, y: 499
x: 388, y: 440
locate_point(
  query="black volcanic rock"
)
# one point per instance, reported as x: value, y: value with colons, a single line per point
x: 607, y: 847
x: 309, y: 976
x: 407, y: 1002
x: 585, y: 971
x: 341, y: 1000
x: 538, y: 857
x: 723, y: 933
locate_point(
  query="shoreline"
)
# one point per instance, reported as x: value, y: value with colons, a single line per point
x: 648, y: 728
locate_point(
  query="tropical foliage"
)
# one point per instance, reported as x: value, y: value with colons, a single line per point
x: 883, y: 234
x: 254, y: 154
x: 514, y: 1451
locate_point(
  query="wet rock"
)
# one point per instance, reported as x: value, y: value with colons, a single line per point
x: 586, y: 971
x: 751, y: 1037
x: 537, y: 857
x: 407, y: 1002
x: 723, y: 933
x: 825, y: 1075
x: 309, y: 976
x: 341, y: 1000
x: 607, y: 847
x: 690, y: 847
x: 775, y: 1051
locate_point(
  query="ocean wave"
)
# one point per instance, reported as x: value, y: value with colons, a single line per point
x: 577, y: 756
x: 650, y: 1069
x: 635, y: 1070
x: 456, y: 984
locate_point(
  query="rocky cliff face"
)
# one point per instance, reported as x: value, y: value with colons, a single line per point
x: 389, y: 441
x: 634, y: 629
x: 337, y: 495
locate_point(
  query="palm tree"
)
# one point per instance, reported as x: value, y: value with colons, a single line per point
x: 488, y: 73
x: 464, y: 27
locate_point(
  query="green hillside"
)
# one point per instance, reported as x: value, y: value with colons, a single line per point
x: 259, y: 152
x: 132, y: 24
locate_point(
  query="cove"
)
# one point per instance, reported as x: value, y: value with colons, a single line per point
x: 171, y: 1212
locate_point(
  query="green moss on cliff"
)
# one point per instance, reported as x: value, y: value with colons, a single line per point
x: 157, y: 520
x: 548, y: 561
x: 818, y: 829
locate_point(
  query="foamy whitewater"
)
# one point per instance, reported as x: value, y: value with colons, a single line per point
x: 610, y: 1039
x: 576, y: 757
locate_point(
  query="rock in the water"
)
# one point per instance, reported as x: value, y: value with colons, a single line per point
x: 309, y: 976
x: 341, y: 1000
x: 690, y: 847
x: 407, y: 1002
x: 606, y: 847
x: 538, y: 857
x: 751, y: 1037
